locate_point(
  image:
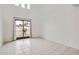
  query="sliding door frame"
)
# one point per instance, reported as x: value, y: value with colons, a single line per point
x: 14, y: 26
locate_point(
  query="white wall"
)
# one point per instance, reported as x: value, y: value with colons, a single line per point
x: 1, y: 28
x: 60, y: 24
x: 0, y: 33
x: 10, y: 11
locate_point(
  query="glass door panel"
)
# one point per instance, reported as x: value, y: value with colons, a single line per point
x: 19, y: 27
x: 27, y: 28
x: 22, y: 29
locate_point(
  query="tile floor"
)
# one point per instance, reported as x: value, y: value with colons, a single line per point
x: 36, y: 46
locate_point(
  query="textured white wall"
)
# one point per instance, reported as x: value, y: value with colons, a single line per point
x: 1, y: 28
x: 60, y: 24
x: 1, y: 35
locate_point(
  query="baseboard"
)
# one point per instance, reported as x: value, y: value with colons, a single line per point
x: 8, y: 42
x: 37, y: 37
x: 60, y: 43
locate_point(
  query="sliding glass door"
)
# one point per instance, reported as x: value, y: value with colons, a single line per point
x: 23, y: 29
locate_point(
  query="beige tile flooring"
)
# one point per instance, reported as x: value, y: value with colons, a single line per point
x: 36, y: 46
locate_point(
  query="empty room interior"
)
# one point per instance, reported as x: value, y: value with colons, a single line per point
x: 39, y: 29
